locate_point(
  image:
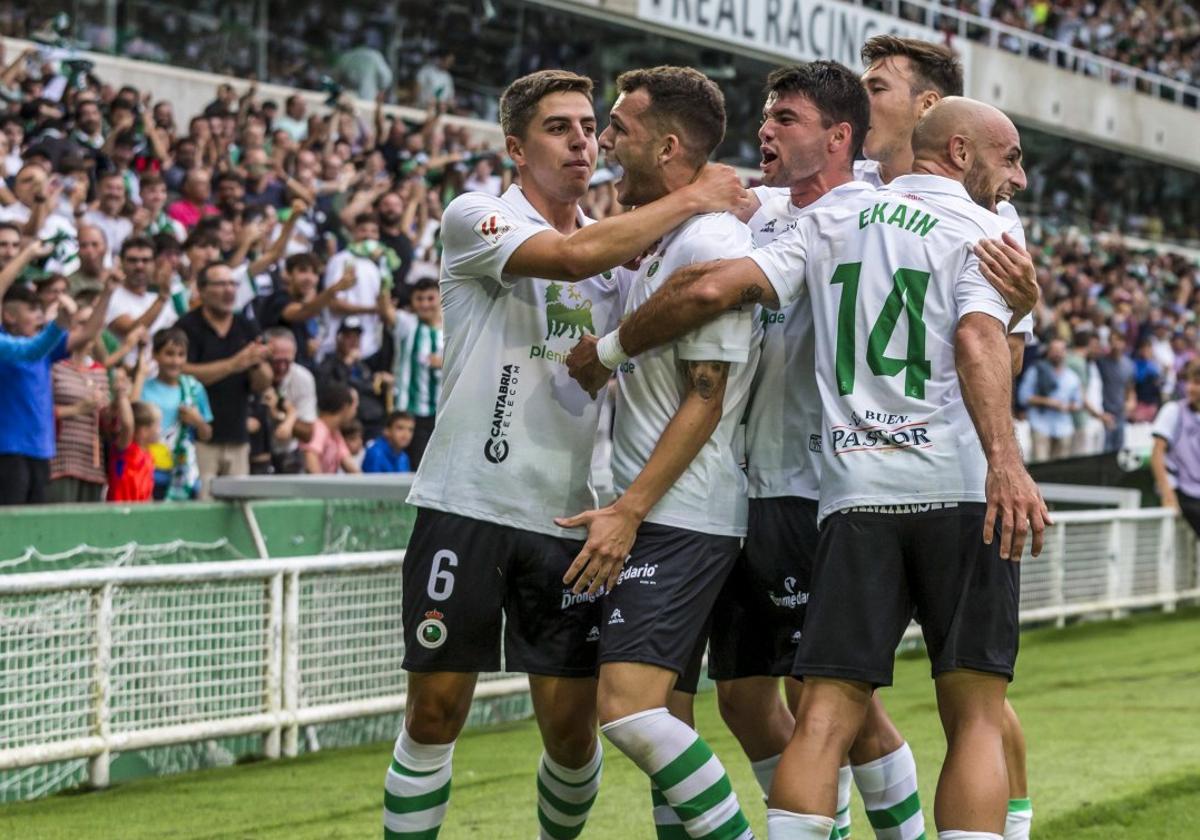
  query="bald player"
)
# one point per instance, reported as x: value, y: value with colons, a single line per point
x: 920, y: 471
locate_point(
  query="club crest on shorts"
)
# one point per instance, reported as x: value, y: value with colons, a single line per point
x: 431, y: 633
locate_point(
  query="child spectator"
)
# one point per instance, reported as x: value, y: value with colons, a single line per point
x: 352, y: 433
x: 387, y: 453
x: 80, y: 395
x: 298, y: 305
x: 336, y: 406
x: 186, y: 417
x: 130, y: 467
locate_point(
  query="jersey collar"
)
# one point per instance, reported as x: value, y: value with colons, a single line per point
x: 515, y: 196
x: 839, y: 193
x: 929, y: 184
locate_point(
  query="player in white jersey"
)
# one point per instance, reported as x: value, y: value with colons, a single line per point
x: 814, y: 120
x: 683, y: 494
x: 905, y: 77
x: 523, y: 276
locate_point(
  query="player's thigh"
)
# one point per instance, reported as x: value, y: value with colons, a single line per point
x: 452, y: 601
x: 549, y: 630
x: 965, y: 593
x: 659, y: 609
x: 859, y: 603
x: 759, y: 615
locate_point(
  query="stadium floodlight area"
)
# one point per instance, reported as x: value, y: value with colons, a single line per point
x: 97, y: 661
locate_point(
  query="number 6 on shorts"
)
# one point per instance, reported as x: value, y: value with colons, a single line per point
x: 441, y: 580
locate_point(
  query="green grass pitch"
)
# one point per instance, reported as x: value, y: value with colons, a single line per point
x: 1111, y: 711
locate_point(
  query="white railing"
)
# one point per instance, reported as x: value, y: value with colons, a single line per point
x: 932, y: 14
x: 96, y: 661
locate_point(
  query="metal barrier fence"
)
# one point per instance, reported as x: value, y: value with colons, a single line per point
x: 97, y: 661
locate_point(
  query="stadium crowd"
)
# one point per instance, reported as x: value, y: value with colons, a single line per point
x: 267, y: 277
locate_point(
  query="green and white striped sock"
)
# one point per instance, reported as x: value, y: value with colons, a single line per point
x: 682, y: 766
x: 565, y: 795
x: 788, y: 825
x: 667, y: 825
x: 417, y: 789
x: 1019, y: 819
x: 842, y: 817
x: 889, y: 790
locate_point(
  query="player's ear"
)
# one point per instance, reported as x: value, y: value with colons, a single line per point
x: 927, y: 100
x: 515, y: 148
x: 669, y: 149
x: 960, y: 150
x: 840, y: 137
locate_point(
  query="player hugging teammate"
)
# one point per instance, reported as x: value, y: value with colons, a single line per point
x: 878, y: 309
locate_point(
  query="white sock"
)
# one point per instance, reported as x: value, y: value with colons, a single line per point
x: 889, y: 790
x: 566, y: 794
x: 842, y: 817
x: 417, y: 788
x: 785, y: 825
x: 764, y: 772
x: 683, y: 767
x: 1019, y: 819
x: 968, y: 835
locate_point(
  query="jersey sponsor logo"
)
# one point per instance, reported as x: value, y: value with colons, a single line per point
x: 493, y: 228
x: 768, y: 317
x: 495, y: 448
x: 431, y: 633
x: 879, y: 431
x: 571, y: 599
x: 642, y: 574
x: 616, y: 617
x: 769, y: 227
x: 792, y: 599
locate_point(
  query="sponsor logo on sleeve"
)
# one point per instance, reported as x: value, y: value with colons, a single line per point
x: 492, y: 228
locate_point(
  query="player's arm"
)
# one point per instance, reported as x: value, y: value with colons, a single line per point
x: 618, y: 239
x: 1012, y: 496
x: 611, y: 530
x: 690, y: 298
x: 1163, y: 430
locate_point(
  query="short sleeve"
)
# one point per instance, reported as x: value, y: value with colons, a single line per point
x: 727, y: 339
x: 479, y: 234
x: 783, y: 262
x: 973, y: 293
x: 202, y: 403
x: 319, y: 439
x: 406, y: 323
x: 305, y: 397
x: 1166, y: 423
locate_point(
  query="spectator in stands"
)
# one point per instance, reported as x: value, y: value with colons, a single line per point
x: 294, y: 119
x: 482, y: 177
x: 435, y: 85
x: 295, y: 388
x: 1175, y: 459
x: 109, y: 212
x: 130, y: 467
x: 81, y: 395
x: 373, y: 266
x: 153, y: 213
x: 365, y: 71
x: 352, y: 433
x: 133, y: 303
x: 298, y: 306
x: 1147, y: 382
x: 184, y: 158
x: 1117, y: 393
x: 226, y: 354
x: 345, y: 366
x: 230, y: 198
x: 263, y: 187
x: 49, y: 288
x: 39, y: 214
x: 326, y: 452
x: 1052, y: 392
x: 388, y: 452
x: 27, y: 421
x: 186, y: 415
x: 194, y: 205
x: 93, y: 254
x: 420, y: 342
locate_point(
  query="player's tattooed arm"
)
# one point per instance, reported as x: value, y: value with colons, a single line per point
x: 706, y: 379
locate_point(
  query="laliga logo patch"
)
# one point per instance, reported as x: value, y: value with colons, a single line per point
x: 492, y: 228
x: 431, y: 633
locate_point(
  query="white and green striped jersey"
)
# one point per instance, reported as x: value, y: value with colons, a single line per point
x: 417, y: 384
x: 710, y: 496
x: 514, y: 434
x: 783, y: 425
x: 890, y: 274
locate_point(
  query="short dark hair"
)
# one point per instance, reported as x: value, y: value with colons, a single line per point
x: 170, y: 335
x: 150, y: 179
x: 935, y: 66
x: 425, y: 284
x: 166, y: 243
x: 332, y: 397
x: 202, y: 277
x: 834, y: 89
x: 520, y: 100
x: 22, y: 294
x: 685, y: 102
x: 352, y: 428
x: 366, y: 218
x: 141, y: 243
x: 396, y: 417
x: 202, y: 238
x: 222, y: 177
x: 303, y: 260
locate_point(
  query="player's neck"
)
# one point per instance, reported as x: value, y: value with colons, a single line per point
x: 808, y: 190
x: 562, y: 215
x: 900, y: 164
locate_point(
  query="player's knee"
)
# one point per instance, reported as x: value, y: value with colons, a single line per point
x: 570, y: 743
x: 436, y: 718
x: 824, y: 728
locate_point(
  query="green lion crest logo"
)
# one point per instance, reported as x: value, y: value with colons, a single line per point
x: 562, y: 319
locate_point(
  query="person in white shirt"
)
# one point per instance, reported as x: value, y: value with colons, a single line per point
x: 294, y: 119
x: 523, y: 275
x: 133, y: 304
x: 917, y: 436
x: 363, y: 300
x: 435, y: 85
x: 108, y: 214
x: 682, y: 492
x: 36, y: 210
